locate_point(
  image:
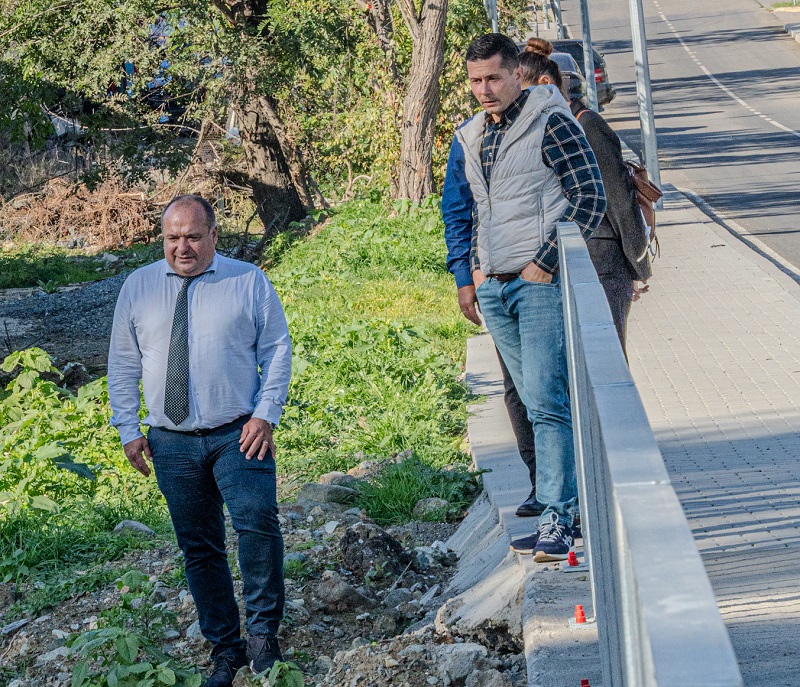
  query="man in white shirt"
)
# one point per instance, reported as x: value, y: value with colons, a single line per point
x: 207, y: 337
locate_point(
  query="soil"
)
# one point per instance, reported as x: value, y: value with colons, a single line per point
x: 324, y: 639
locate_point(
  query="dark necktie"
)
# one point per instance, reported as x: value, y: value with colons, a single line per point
x: 176, y: 391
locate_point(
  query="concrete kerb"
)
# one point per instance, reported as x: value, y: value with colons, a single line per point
x: 493, y: 582
x: 789, y: 18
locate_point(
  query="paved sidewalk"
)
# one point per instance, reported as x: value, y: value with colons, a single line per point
x: 713, y: 349
x: 715, y: 357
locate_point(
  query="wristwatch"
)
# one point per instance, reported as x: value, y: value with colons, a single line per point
x: 271, y: 425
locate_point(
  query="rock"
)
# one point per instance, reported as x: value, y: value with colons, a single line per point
x: 432, y: 508
x: 325, y: 493
x: 488, y: 678
x: 331, y: 526
x: 171, y: 634
x: 412, y: 649
x: 159, y: 592
x: 359, y: 642
x: 322, y: 665
x: 109, y: 259
x: 396, y: 597
x: 426, y: 557
x: 16, y: 683
x: 295, y: 557
x: 75, y: 375
x: 345, y: 480
x: 193, y: 631
x: 390, y: 662
x: 298, y: 611
x: 366, y: 547
x: 54, y: 655
x: 328, y: 477
x: 458, y: 661
x: 428, y: 596
x: 133, y: 526
x: 11, y: 628
x: 334, y: 592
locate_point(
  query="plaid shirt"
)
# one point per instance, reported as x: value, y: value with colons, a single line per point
x: 566, y: 151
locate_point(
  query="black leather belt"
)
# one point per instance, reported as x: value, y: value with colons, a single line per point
x: 504, y: 277
x: 205, y: 431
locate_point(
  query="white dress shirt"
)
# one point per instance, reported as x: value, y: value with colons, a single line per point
x: 240, y: 355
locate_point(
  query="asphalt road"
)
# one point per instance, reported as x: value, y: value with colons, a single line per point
x: 726, y: 92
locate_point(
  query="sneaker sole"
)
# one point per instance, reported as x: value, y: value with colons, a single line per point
x: 542, y: 557
x: 522, y: 549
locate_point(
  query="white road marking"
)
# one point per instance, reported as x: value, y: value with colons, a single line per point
x: 716, y: 81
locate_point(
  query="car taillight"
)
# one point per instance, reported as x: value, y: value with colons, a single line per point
x: 598, y: 74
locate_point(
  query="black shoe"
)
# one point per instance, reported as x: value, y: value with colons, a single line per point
x: 226, y: 665
x: 530, y: 507
x: 263, y: 651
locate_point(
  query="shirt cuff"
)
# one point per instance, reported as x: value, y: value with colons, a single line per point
x: 129, y: 433
x: 462, y: 273
x: 270, y: 410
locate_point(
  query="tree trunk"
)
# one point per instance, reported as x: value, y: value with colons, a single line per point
x: 278, y: 200
x: 421, y: 104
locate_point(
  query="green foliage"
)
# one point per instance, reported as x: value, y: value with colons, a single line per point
x: 295, y: 569
x: 64, y: 481
x: 389, y: 497
x: 124, y: 649
x: 378, y: 342
x: 282, y: 674
x: 125, y: 659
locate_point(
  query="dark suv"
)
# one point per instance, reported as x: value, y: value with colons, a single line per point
x: 605, y: 91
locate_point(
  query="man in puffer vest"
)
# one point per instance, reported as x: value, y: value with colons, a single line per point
x: 521, y: 166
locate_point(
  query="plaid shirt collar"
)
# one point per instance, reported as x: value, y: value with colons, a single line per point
x: 509, y: 115
x: 494, y: 132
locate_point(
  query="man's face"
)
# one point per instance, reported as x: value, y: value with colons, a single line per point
x: 188, y: 243
x: 495, y: 86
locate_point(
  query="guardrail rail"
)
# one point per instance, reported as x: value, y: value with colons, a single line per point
x: 658, y: 620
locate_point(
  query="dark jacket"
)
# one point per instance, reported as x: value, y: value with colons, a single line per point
x: 619, y: 241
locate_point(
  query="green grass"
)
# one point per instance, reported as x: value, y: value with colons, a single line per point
x: 49, y: 267
x: 378, y: 342
x: 389, y: 497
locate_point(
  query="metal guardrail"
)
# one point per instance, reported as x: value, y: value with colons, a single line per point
x: 658, y: 620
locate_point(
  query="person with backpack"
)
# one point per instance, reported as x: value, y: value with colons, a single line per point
x: 618, y: 247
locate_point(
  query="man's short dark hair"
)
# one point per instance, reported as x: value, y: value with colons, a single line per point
x: 188, y: 199
x: 487, y: 46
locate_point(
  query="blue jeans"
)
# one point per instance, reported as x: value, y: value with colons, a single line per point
x: 526, y: 322
x: 197, y: 474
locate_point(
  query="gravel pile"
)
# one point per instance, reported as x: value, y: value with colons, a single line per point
x: 72, y: 325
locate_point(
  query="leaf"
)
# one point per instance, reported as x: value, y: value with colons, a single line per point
x: 50, y: 451
x: 166, y: 675
x: 193, y: 680
x: 43, y: 502
x: 80, y: 674
x: 81, y: 469
x: 128, y: 647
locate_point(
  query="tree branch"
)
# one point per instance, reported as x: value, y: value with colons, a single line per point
x: 226, y: 10
x: 410, y: 17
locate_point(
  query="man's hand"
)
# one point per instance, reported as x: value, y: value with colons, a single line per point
x: 256, y: 439
x: 535, y: 273
x: 133, y: 452
x: 639, y: 289
x: 467, y: 301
